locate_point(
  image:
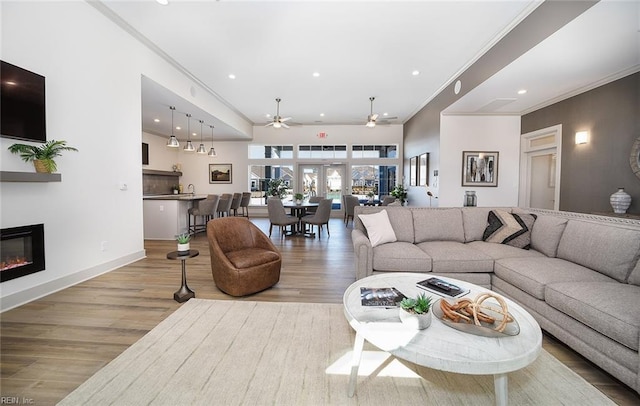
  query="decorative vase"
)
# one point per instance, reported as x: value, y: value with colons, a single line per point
x: 620, y: 201
x: 183, y: 248
x: 470, y: 198
x: 415, y: 321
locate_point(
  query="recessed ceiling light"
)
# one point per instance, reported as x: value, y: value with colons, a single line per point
x: 194, y: 134
x: 522, y: 91
x: 178, y: 128
x: 316, y: 74
x: 321, y: 114
x: 267, y: 115
x: 157, y: 120
x: 385, y: 114
x: 415, y: 72
x: 163, y: 2
x: 232, y: 76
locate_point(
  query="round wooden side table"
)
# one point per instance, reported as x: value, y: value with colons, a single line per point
x: 184, y: 293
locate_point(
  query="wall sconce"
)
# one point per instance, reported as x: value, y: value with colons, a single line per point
x: 582, y: 137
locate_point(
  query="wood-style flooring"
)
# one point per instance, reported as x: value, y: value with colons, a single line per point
x: 52, y: 345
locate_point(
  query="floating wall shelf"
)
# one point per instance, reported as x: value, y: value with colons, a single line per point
x: 161, y: 173
x: 30, y: 177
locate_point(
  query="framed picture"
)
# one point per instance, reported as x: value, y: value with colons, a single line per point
x: 479, y: 168
x: 220, y: 173
x: 423, y: 169
x: 413, y: 164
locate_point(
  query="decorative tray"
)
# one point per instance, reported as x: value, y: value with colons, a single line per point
x: 485, y: 329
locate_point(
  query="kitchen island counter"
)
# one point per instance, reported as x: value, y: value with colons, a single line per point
x: 165, y: 216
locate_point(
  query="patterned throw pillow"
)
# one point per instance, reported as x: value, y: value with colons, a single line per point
x: 509, y: 228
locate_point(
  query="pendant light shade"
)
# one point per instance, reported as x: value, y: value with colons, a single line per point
x: 189, y: 147
x: 201, y: 148
x: 173, y: 141
x: 212, y: 152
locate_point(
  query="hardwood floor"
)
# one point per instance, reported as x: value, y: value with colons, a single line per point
x: 52, y: 345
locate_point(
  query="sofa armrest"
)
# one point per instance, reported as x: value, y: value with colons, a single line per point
x: 363, y: 253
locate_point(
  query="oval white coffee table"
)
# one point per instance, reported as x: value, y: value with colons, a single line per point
x: 439, y: 346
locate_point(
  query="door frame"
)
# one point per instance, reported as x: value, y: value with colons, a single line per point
x: 545, y: 140
x: 322, y: 181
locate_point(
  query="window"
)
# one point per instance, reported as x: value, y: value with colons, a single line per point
x: 322, y: 151
x: 374, y: 151
x: 377, y: 179
x: 260, y: 176
x: 257, y: 151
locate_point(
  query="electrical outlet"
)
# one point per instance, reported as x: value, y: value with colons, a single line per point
x: 104, y: 246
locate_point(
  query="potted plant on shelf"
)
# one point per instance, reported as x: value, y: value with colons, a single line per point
x: 298, y: 197
x: 41, y: 155
x: 416, y: 312
x: 175, y: 189
x: 183, y: 243
x: 400, y: 193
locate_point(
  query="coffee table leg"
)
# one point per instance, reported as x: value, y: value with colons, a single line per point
x: 500, y: 382
x: 355, y: 363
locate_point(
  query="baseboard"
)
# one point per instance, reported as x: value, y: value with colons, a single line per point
x: 36, y: 292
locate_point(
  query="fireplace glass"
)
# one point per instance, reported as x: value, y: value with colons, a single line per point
x: 21, y: 251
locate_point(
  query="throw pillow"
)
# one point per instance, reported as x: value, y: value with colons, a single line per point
x: 378, y: 227
x: 509, y: 228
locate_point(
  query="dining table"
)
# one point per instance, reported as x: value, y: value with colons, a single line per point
x: 299, y: 210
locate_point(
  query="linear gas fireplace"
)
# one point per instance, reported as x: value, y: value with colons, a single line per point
x: 21, y: 251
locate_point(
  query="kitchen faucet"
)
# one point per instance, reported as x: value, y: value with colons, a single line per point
x: 192, y: 188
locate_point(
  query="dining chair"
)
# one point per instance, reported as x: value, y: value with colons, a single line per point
x: 244, y: 203
x: 314, y: 199
x: 350, y: 202
x: 387, y: 200
x: 278, y: 216
x: 320, y: 218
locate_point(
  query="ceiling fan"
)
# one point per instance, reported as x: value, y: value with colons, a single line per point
x: 277, y: 120
x: 372, y: 118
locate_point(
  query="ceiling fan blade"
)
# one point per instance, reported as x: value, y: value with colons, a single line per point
x: 268, y: 124
x: 374, y: 117
x: 282, y: 120
x: 389, y: 118
x: 284, y: 125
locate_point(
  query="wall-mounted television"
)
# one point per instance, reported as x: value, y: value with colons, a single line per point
x: 22, y: 104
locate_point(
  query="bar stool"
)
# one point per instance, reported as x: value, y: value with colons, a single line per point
x: 206, y: 209
x: 224, y: 204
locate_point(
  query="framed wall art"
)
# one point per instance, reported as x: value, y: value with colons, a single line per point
x: 413, y: 165
x: 423, y: 169
x: 480, y: 168
x: 220, y: 173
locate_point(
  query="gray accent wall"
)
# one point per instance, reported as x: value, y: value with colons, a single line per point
x: 591, y: 172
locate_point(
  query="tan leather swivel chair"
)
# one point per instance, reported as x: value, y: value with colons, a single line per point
x: 243, y: 258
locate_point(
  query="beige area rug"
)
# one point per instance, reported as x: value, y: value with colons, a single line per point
x: 259, y: 353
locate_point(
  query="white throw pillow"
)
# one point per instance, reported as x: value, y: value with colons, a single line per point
x: 378, y: 228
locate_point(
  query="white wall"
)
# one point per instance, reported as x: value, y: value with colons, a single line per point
x: 479, y: 133
x: 93, y: 80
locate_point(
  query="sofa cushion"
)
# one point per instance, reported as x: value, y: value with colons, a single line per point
x: 400, y: 256
x: 378, y: 228
x: 250, y: 257
x: 508, y: 228
x: 532, y: 275
x: 546, y: 234
x: 438, y: 225
x: 451, y: 256
x: 591, y: 303
x: 606, y: 248
x: 634, y: 277
x: 499, y: 251
x: 474, y: 221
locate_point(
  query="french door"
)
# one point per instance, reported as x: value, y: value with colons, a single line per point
x: 327, y: 180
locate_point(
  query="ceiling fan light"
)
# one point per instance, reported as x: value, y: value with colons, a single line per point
x: 189, y: 147
x: 212, y: 152
x: 201, y: 149
x: 371, y: 124
x: 277, y: 124
x: 173, y: 142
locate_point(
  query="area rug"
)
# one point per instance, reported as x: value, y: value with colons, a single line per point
x: 260, y: 353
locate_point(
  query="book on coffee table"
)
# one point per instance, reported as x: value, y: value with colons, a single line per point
x: 442, y: 287
x: 381, y: 297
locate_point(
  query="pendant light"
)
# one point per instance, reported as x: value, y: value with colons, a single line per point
x: 201, y: 148
x: 189, y: 147
x: 173, y: 141
x: 212, y: 151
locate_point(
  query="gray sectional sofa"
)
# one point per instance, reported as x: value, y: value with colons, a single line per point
x: 580, y: 278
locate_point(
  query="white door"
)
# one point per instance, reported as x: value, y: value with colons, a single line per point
x: 540, y: 168
x: 322, y: 180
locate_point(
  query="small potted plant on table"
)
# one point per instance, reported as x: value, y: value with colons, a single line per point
x: 298, y: 197
x: 416, y: 312
x: 183, y: 243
